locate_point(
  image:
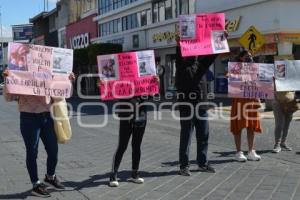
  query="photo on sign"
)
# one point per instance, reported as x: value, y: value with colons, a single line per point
x: 62, y: 61
x: 219, y: 41
x: 265, y: 73
x: 188, y: 27
x: 146, y: 63
x: 18, y: 54
x: 280, y: 70
x: 235, y: 73
x: 108, y: 68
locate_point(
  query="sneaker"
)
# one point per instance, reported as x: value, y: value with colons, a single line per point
x: 240, y: 157
x: 113, y: 181
x: 54, y: 183
x: 40, y: 190
x: 285, y: 147
x: 253, y: 156
x: 276, y: 148
x: 184, y: 172
x: 206, y: 168
x: 135, y: 178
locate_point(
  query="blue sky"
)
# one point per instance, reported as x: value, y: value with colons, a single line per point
x: 19, y: 12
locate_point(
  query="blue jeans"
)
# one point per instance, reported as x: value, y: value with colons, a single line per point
x: 200, y: 123
x: 33, y: 127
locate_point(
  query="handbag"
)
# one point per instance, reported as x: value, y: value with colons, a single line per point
x: 290, y: 107
x: 61, y: 120
x: 287, y: 101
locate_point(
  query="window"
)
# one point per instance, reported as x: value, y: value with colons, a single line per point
x: 168, y: 9
x: 163, y: 10
x: 155, y: 13
x: 184, y: 7
x: 109, y: 5
x: 143, y: 18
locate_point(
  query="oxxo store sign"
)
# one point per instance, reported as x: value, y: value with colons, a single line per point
x: 80, y: 41
x: 80, y: 33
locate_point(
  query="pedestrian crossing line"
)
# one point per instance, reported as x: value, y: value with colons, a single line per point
x: 279, y: 183
x: 188, y: 179
x: 198, y: 186
x: 149, y: 181
x: 128, y: 161
x: 295, y: 190
x: 148, y: 167
x: 257, y: 185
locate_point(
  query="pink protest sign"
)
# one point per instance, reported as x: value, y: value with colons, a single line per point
x: 126, y: 75
x: 39, y: 70
x: 251, y: 80
x: 208, y: 35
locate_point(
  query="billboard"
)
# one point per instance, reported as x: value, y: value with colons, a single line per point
x: 22, y: 32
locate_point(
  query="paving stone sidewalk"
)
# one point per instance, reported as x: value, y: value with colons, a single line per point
x: 85, y: 162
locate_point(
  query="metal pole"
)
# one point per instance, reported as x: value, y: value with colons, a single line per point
x: 1, y: 21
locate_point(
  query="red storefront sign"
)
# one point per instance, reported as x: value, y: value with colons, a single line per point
x: 80, y: 33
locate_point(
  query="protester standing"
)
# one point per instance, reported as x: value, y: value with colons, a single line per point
x: 160, y: 71
x: 35, y: 123
x: 191, y: 92
x: 133, y: 120
x: 244, y: 114
x: 284, y: 105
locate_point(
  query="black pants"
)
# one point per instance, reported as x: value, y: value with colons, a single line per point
x: 128, y: 128
x: 194, y: 119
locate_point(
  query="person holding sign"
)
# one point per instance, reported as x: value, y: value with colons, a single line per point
x: 133, y: 119
x: 191, y: 97
x: 284, y: 105
x: 35, y: 123
x: 244, y: 114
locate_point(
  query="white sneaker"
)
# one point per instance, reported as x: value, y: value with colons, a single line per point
x: 137, y: 180
x: 239, y: 156
x: 276, y: 148
x: 113, y: 182
x: 253, y: 156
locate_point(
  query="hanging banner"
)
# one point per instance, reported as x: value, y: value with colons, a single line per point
x: 287, y: 74
x: 251, y: 80
x: 39, y: 70
x: 202, y: 34
x: 126, y: 75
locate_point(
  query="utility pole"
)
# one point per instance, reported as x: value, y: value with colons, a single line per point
x: 46, y: 5
x: 1, y: 21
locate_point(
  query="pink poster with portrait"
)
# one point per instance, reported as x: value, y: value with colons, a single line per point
x: 39, y: 70
x: 250, y: 80
x: 202, y: 34
x: 125, y: 75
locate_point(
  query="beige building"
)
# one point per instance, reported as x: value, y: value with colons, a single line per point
x: 79, y: 9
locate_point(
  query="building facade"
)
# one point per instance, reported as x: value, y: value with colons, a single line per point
x: 81, y: 28
x: 45, y: 28
x: 275, y: 19
x: 144, y: 24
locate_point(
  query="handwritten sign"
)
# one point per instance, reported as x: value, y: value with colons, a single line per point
x: 209, y: 35
x: 127, y: 75
x: 251, y: 80
x: 39, y: 70
x: 287, y: 74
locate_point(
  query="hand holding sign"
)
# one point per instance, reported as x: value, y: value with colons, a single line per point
x: 210, y: 37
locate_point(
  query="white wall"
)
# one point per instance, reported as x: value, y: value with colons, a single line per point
x: 222, y: 5
x: 264, y: 16
x: 289, y: 16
